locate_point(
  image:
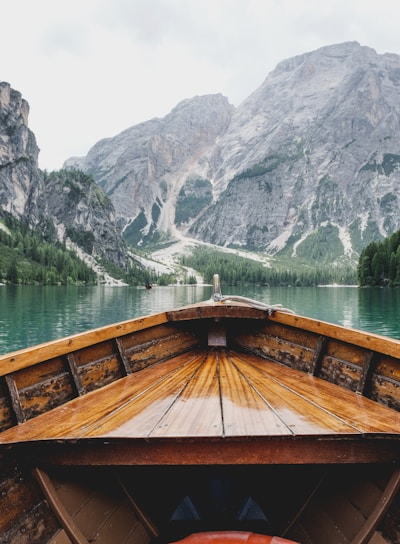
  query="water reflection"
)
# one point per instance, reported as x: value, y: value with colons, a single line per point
x: 30, y: 315
x: 379, y: 309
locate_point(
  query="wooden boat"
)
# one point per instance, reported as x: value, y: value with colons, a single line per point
x: 220, y: 422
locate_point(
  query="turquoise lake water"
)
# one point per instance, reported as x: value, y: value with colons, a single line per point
x: 31, y: 315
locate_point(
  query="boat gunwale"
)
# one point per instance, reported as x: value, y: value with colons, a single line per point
x: 26, y: 357
x: 33, y: 355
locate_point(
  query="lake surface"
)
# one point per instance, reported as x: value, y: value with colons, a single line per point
x: 31, y: 315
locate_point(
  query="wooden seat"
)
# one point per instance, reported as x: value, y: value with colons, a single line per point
x: 233, y: 537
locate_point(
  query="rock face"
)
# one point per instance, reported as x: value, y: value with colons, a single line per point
x: 73, y: 203
x: 311, y: 159
x: 308, y: 165
x: 143, y: 168
x: 20, y: 179
x: 83, y: 214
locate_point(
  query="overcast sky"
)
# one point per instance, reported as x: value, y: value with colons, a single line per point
x: 91, y: 68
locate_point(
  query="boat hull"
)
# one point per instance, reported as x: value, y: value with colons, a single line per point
x: 214, y: 417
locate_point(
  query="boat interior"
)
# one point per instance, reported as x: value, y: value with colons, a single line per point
x: 207, y: 418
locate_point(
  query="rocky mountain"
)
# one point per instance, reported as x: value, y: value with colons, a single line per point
x: 84, y: 216
x: 307, y: 166
x: 80, y: 212
x: 143, y: 168
x: 20, y: 179
x: 317, y: 168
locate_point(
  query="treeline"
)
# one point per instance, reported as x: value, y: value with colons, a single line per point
x: 379, y: 263
x: 27, y: 257
x: 236, y: 270
x: 35, y: 256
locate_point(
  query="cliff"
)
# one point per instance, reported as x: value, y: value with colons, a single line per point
x: 307, y: 166
x: 80, y: 212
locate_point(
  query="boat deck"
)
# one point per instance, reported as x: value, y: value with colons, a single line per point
x: 223, y: 396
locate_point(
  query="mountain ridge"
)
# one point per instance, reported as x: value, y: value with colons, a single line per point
x: 306, y: 168
x: 306, y: 165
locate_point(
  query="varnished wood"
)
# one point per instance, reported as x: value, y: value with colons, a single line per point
x: 211, y: 384
x: 368, y: 368
x: 74, y: 373
x: 370, y: 341
x: 221, y: 394
x: 30, y: 356
x: 123, y: 356
x: 69, y: 525
x: 210, y: 451
x: 317, y: 359
x: 214, y: 393
x: 15, y: 400
x: 379, y: 510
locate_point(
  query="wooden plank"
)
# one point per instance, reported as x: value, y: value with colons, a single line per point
x: 168, y: 399
x: 300, y: 415
x: 245, y: 412
x: 122, y: 354
x: 147, y: 523
x: 370, y: 341
x: 15, y: 399
x: 143, y: 412
x: 117, y: 526
x: 99, y: 373
x: 17, y: 360
x: 377, y: 538
x: 72, y: 493
x: 161, y: 349
x: 321, y: 528
x: 342, y: 512
x: 20, y: 498
x: 317, y: 359
x: 148, y: 335
x: 210, y: 310
x: 380, y: 510
x: 364, y: 494
x: 44, y: 386
x: 138, y: 535
x: 197, y: 410
x: 293, y: 522
x: 61, y: 537
x: 58, y: 508
x: 360, y: 413
x: 279, y: 350
x: 74, y: 374
x: 85, y: 413
x: 367, y: 371
x: 211, y: 450
x: 97, y: 511
x: 339, y: 372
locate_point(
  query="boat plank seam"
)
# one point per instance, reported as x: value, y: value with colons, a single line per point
x: 301, y: 396
x: 357, y: 423
x: 76, y: 380
x: 177, y: 395
x: 259, y: 394
x: 318, y: 356
x: 92, y: 429
x: 123, y: 357
x: 15, y: 399
x: 201, y: 381
x: 368, y: 369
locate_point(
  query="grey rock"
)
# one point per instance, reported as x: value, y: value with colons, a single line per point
x: 308, y: 163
